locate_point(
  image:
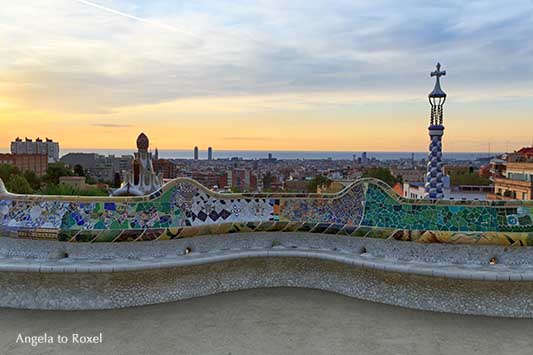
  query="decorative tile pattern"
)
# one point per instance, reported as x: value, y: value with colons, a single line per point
x: 183, y: 208
x: 384, y: 211
x: 434, y: 185
x: 517, y: 219
x: 345, y: 210
x: 31, y: 214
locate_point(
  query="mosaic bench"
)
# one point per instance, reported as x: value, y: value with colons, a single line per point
x: 183, y: 208
x: 71, y: 252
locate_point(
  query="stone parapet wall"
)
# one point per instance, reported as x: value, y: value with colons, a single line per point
x: 437, y: 277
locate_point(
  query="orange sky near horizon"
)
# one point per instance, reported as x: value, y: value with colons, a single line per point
x: 255, y: 123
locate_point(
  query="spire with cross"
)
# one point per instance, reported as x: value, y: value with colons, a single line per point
x: 437, y: 98
x: 434, y: 177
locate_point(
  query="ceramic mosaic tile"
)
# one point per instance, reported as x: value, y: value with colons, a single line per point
x: 183, y: 208
x: 382, y: 210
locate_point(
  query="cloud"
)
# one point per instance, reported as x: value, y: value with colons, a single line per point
x: 129, y: 16
x: 114, y: 54
x: 110, y: 125
x: 241, y: 138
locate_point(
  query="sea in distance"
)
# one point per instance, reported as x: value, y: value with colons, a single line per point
x: 307, y: 155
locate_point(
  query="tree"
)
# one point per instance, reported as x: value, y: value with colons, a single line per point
x: 18, y: 184
x: 382, y: 174
x: 470, y: 178
x: 267, y: 180
x: 318, y: 181
x: 63, y: 189
x: 78, y: 170
x: 33, y: 179
x: 55, y: 171
x: 27, y: 182
x: 6, y: 170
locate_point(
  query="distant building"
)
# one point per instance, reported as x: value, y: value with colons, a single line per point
x: 398, y: 188
x: 364, y: 158
x: 497, y: 167
x: 37, y: 163
x: 100, y: 167
x: 512, y: 175
x: 195, y: 153
x: 416, y: 190
x: 209, y: 153
x: 469, y: 192
x: 166, y: 168
x: 29, y: 147
x: 239, y: 179
x: 86, y: 160
x: 209, y: 179
x: 121, y: 164
x: 484, y: 171
x: 409, y: 175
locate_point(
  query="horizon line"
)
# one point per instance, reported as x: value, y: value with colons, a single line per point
x: 271, y: 150
x: 283, y: 150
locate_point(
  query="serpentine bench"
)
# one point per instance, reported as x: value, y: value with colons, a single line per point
x: 71, y: 252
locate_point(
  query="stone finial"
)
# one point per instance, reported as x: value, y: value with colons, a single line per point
x: 142, y: 142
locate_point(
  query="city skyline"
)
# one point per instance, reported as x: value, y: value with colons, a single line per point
x: 278, y: 77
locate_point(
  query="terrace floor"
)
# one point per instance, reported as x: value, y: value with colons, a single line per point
x: 268, y: 321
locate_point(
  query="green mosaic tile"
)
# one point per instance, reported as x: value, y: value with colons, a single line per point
x: 381, y: 210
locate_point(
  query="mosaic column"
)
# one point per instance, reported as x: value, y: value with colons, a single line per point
x: 434, y: 185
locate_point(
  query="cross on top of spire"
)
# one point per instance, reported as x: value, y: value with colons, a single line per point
x: 437, y: 72
x: 437, y: 91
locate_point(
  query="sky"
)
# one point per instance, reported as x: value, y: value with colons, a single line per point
x: 266, y: 75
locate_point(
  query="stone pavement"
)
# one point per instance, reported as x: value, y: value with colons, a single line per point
x: 267, y: 321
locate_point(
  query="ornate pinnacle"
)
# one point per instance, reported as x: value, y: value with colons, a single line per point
x: 437, y: 91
